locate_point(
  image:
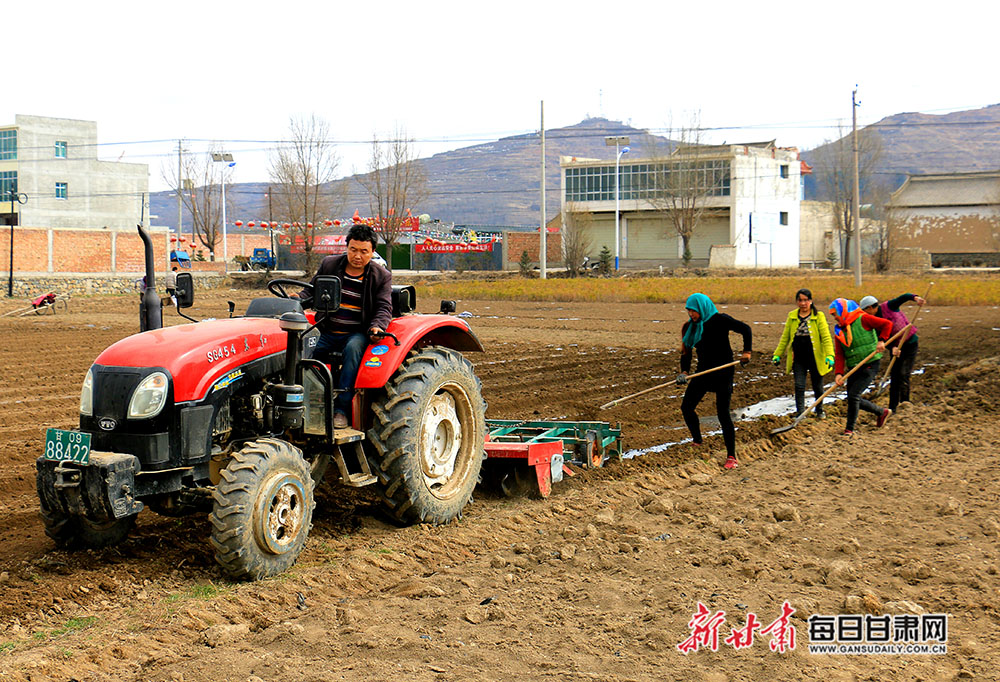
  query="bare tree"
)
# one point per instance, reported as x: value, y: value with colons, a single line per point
x: 302, y: 169
x: 880, y: 223
x: 834, y: 173
x: 395, y: 182
x: 575, y: 239
x: 682, y: 176
x: 203, y: 197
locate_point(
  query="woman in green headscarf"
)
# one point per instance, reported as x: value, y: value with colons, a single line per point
x: 708, y: 332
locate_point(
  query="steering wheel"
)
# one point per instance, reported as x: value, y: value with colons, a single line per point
x: 277, y: 287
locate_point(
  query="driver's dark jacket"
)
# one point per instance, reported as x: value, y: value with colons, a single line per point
x: 376, y: 298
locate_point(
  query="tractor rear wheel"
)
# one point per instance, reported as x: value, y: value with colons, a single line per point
x: 71, y: 531
x: 263, y: 510
x: 428, y: 435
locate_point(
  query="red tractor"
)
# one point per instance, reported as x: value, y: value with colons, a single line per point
x: 232, y: 417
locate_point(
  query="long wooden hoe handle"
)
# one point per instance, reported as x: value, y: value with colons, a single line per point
x: 881, y: 383
x: 668, y: 383
x: 834, y: 387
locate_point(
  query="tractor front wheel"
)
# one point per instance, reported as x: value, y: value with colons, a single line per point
x: 263, y: 510
x: 428, y: 435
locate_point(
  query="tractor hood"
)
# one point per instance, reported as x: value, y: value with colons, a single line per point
x: 198, y: 355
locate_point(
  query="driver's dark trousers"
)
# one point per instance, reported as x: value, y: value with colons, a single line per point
x: 351, y: 348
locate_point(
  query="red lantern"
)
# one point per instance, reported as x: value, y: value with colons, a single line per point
x: 309, y: 225
x: 328, y: 222
x: 238, y: 223
x: 336, y: 222
x: 250, y: 224
x: 285, y: 225
x: 274, y: 223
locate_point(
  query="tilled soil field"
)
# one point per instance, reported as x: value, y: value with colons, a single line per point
x: 599, y: 581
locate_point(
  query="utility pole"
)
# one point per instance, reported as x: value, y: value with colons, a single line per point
x: 542, y: 236
x: 179, y: 190
x: 270, y: 227
x: 856, y: 207
x: 15, y: 218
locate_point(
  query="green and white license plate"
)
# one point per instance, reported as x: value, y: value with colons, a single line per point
x: 67, y: 446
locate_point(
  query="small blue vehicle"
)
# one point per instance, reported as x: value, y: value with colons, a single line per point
x: 181, y: 258
x: 262, y: 259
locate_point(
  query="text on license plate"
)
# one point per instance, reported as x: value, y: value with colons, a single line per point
x: 67, y: 446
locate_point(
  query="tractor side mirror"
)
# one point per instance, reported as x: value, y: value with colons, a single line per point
x: 185, y: 290
x: 447, y: 307
x: 232, y: 307
x: 326, y: 294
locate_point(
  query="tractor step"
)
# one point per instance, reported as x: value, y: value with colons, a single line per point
x: 341, y: 436
x: 356, y: 479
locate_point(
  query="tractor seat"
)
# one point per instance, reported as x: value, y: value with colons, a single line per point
x: 272, y: 307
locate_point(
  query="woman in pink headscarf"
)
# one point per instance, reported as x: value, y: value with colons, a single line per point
x: 856, y: 335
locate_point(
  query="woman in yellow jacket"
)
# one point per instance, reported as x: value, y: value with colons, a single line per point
x: 807, y: 337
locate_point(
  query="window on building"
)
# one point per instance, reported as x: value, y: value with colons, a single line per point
x: 8, y: 184
x: 8, y: 145
x: 783, y: 217
x: 60, y: 149
x: 784, y: 170
x: 645, y: 180
x: 62, y: 190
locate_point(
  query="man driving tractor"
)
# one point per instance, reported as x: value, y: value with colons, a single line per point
x: 364, y: 313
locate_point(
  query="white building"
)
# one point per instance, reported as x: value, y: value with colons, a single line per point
x: 53, y: 162
x: 750, y: 194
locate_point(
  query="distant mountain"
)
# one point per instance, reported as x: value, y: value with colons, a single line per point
x: 913, y: 143
x: 497, y: 183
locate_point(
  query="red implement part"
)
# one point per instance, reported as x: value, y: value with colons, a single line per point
x: 537, y: 455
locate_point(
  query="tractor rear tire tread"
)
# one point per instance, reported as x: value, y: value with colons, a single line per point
x: 395, y: 437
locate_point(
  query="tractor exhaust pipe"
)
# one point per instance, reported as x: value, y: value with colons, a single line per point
x: 150, y: 310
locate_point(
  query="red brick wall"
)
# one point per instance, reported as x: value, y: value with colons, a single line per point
x: 31, y: 250
x: 234, y: 242
x: 518, y: 242
x: 78, y: 251
x: 90, y: 250
x: 130, y: 255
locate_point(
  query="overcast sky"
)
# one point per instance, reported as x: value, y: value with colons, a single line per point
x: 458, y: 73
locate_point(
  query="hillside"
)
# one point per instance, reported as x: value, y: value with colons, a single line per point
x: 925, y: 143
x: 496, y: 183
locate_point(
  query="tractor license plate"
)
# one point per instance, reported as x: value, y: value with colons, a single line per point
x: 67, y: 446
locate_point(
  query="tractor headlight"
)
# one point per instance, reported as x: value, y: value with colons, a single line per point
x: 149, y: 397
x: 87, y: 394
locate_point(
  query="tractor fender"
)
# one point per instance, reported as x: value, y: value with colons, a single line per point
x: 381, y: 360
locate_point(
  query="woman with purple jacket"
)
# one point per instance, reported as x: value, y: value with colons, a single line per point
x: 905, y: 348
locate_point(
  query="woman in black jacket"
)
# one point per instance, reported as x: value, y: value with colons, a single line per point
x: 708, y: 332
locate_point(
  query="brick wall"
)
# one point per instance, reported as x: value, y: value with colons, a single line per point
x: 74, y: 251
x: 90, y: 251
x: 518, y: 242
x: 909, y: 259
x: 31, y: 249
